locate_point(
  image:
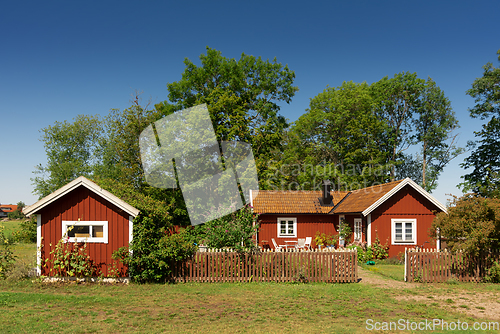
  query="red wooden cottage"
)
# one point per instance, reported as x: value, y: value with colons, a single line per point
x: 96, y: 216
x: 399, y: 213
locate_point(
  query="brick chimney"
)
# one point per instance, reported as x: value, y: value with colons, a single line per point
x: 327, y: 197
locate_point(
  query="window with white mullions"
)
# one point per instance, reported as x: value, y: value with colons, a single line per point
x: 287, y: 227
x: 85, y: 231
x: 404, y: 231
x: 358, y: 225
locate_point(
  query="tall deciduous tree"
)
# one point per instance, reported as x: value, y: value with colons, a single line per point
x: 485, y: 157
x: 434, y: 123
x: 71, y: 152
x: 362, y: 134
x: 397, y: 100
x: 337, y: 134
x: 242, y: 97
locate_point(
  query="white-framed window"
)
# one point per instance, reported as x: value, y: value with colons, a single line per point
x: 404, y: 231
x: 287, y: 227
x: 85, y: 231
x: 358, y: 224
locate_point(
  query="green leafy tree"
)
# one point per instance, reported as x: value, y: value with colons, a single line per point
x: 119, y: 154
x: 397, y: 101
x: 359, y: 134
x: 434, y: 123
x: 485, y: 156
x: 337, y: 134
x: 242, y: 97
x: 472, y: 224
x: 235, y: 231
x: 71, y: 152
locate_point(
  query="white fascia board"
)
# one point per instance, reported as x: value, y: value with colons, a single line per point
x: 80, y: 181
x: 397, y: 188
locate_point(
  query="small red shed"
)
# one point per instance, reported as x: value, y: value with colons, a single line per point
x: 98, y: 217
x: 398, y: 213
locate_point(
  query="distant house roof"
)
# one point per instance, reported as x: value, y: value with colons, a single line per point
x: 80, y: 182
x: 6, y: 208
x: 362, y: 201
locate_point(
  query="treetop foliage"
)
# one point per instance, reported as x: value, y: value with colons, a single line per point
x: 371, y: 127
x: 485, y: 156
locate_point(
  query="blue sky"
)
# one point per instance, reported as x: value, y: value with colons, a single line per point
x: 60, y: 59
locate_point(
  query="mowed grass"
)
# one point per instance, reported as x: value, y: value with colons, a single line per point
x: 391, y: 271
x: 30, y: 306
x: 211, y: 308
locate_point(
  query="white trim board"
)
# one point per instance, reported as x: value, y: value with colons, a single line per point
x: 81, y: 181
x: 397, y: 188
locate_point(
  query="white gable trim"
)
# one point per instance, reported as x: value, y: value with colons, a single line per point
x: 81, y: 181
x: 397, y: 188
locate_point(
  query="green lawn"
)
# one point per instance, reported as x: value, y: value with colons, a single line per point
x: 220, y: 308
x: 32, y: 306
x: 10, y: 226
x: 392, y: 271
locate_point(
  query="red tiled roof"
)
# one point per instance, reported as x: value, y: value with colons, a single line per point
x: 360, y: 200
x: 273, y: 201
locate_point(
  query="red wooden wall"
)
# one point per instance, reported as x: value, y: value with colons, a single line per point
x: 406, y: 203
x: 86, y: 205
x: 307, y: 226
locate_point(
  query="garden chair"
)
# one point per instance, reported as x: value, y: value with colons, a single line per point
x: 300, y: 243
x: 307, y: 244
x: 277, y: 247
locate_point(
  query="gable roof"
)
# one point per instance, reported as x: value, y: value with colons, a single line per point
x: 400, y: 185
x: 362, y: 201
x: 274, y: 201
x: 80, y: 182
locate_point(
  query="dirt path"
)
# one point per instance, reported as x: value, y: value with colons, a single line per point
x: 480, y: 305
x: 368, y: 277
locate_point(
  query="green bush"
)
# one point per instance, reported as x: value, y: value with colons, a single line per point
x: 366, y: 253
x: 27, y: 231
x: 154, y: 262
x: 235, y: 231
x: 16, y: 214
x: 323, y: 239
x: 493, y: 275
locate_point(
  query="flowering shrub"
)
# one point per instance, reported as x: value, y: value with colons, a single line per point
x: 7, y: 257
x: 323, y: 239
x: 70, y: 259
x: 27, y: 232
x: 376, y: 251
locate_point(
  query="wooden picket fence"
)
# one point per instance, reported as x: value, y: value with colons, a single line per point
x: 431, y: 265
x: 269, y: 266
